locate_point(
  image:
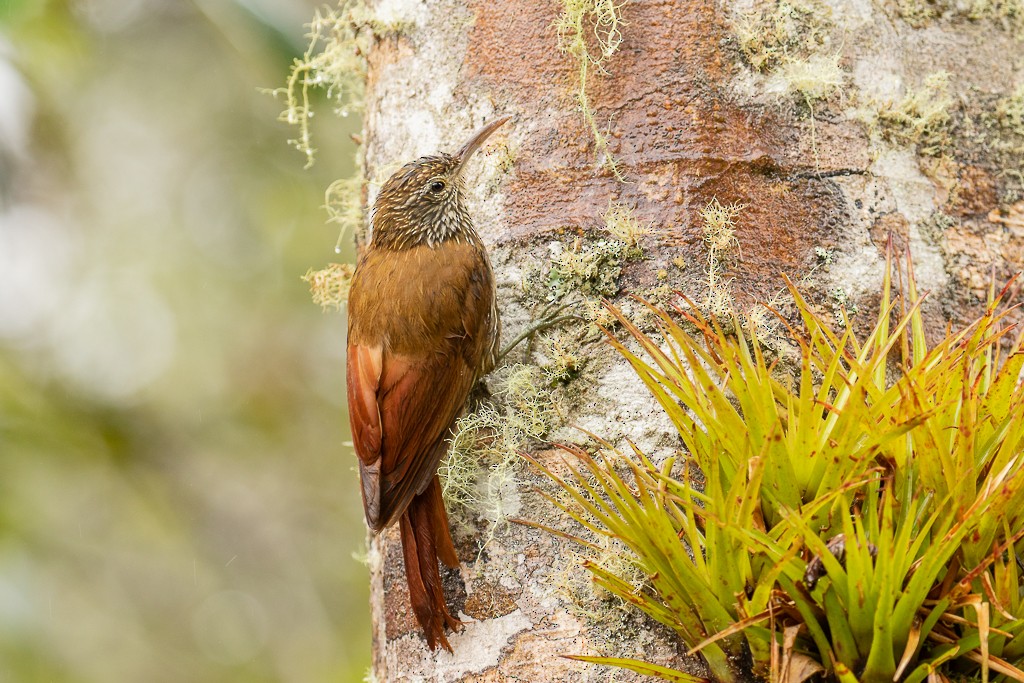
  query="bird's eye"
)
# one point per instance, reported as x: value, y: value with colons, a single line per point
x: 437, y: 186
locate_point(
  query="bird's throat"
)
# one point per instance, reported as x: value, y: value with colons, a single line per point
x: 431, y: 229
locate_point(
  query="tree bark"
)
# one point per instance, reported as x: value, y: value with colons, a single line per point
x: 696, y: 111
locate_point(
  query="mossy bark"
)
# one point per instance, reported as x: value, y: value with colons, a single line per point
x: 693, y: 115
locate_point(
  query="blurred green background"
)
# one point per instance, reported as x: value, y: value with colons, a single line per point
x: 177, y: 502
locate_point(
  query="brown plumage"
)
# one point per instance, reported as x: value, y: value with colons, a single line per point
x: 423, y: 328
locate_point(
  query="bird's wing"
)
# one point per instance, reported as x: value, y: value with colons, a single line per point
x: 401, y: 409
x: 364, y: 374
x: 403, y: 400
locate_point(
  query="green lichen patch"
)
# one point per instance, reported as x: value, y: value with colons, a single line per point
x: 971, y: 140
x: 918, y: 13
x: 563, y: 356
x: 984, y: 150
x: 575, y: 586
x: 590, y: 268
x: 1010, y: 111
x: 1002, y: 126
x: 1006, y: 14
x: 934, y: 227
x: 922, y: 117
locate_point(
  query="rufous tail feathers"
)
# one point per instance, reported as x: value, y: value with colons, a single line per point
x: 425, y: 540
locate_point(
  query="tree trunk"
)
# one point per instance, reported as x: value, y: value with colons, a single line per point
x: 829, y: 123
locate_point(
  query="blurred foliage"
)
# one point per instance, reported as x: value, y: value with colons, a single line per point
x: 862, y: 519
x: 177, y: 501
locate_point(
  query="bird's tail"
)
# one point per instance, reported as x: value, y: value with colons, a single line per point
x: 425, y: 540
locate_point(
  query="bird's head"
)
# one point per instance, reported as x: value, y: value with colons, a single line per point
x: 424, y: 201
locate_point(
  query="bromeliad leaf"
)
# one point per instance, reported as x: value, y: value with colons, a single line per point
x: 917, y: 467
x: 645, y: 668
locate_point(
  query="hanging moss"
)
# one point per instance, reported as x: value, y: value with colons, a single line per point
x: 598, y: 20
x: 330, y: 286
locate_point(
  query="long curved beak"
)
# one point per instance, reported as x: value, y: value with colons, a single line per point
x: 478, y: 139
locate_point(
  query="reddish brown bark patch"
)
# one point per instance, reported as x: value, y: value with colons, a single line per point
x: 398, y: 615
x: 676, y: 135
x: 974, y: 193
x: 892, y: 225
x: 489, y: 600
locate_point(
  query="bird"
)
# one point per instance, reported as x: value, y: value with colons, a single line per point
x: 423, y: 328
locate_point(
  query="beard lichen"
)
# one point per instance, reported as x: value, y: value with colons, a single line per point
x: 624, y: 226
x: 816, y: 78
x: 599, y: 19
x: 720, y: 237
x: 330, y: 286
x: 478, y: 476
x: 343, y: 202
x: 790, y: 44
x: 563, y: 357
x: 333, y: 62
